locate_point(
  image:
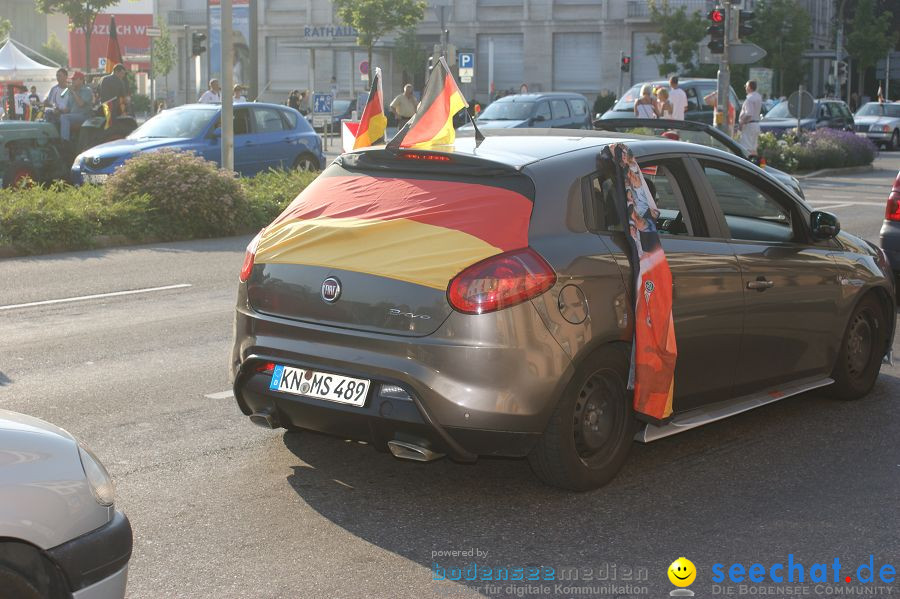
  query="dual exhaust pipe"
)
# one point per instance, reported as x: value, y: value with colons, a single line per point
x: 401, y: 449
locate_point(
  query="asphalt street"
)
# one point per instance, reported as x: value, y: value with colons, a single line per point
x: 222, y: 508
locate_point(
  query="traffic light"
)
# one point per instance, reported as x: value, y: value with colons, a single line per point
x: 626, y: 64
x: 197, y: 47
x: 745, y: 27
x: 431, y: 62
x: 716, y: 31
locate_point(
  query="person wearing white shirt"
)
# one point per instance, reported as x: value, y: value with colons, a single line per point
x: 749, y: 118
x: 213, y: 95
x: 678, y: 99
x: 239, y: 96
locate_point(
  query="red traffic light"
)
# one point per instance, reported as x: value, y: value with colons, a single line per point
x: 716, y: 15
x: 626, y: 59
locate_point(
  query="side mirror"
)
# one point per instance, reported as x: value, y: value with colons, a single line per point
x: 539, y: 119
x: 824, y: 225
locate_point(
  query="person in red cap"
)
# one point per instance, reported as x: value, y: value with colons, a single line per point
x: 79, y: 105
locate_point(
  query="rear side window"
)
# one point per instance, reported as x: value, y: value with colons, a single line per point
x: 267, y: 120
x: 579, y: 107
x: 290, y: 119
x: 560, y: 109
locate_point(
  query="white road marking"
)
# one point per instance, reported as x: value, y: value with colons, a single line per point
x: 221, y: 395
x: 82, y: 298
x: 833, y: 206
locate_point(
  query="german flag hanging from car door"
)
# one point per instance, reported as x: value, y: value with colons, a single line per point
x: 654, y: 352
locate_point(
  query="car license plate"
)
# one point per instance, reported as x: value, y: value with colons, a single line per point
x: 321, y: 385
x: 96, y: 179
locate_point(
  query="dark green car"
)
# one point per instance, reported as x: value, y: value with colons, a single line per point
x: 31, y: 151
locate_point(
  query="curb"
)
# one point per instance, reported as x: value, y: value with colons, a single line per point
x: 847, y: 170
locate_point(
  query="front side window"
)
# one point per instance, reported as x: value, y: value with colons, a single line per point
x: 751, y: 213
x: 560, y: 109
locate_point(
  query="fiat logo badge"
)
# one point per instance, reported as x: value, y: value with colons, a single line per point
x: 331, y: 290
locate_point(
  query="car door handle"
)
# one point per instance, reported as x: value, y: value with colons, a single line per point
x: 760, y: 284
x: 248, y: 143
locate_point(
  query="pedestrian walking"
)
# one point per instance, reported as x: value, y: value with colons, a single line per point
x: 663, y: 103
x: 678, y: 99
x: 213, y: 95
x: 404, y: 106
x: 645, y: 106
x: 293, y: 100
x: 749, y: 118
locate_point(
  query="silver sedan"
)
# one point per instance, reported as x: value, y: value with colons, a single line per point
x: 880, y: 122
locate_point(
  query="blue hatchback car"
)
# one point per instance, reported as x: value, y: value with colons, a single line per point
x: 265, y: 136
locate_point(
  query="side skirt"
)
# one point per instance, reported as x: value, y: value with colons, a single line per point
x: 718, y: 411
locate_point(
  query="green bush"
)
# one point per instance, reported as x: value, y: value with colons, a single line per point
x: 188, y: 197
x: 604, y: 101
x: 140, y: 103
x: 821, y: 149
x: 157, y: 196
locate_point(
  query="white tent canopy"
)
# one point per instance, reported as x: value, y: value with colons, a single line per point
x: 15, y: 66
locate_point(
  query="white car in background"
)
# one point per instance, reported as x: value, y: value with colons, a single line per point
x: 60, y: 534
x: 880, y: 122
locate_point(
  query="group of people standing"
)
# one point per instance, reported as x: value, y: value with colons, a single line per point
x: 671, y: 103
x: 661, y: 103
x: 213, y: 93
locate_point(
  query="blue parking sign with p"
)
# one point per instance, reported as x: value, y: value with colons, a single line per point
x: 466, y: 60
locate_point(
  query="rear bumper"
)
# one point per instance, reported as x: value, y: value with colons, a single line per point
x: 889, y: 240
x: 97, y: 562
x: 468, y: 396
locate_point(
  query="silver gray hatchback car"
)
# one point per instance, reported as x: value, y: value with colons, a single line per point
x: 473, y: 301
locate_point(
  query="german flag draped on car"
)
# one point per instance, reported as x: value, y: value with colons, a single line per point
x: 432, y: 125
x: 654, y: 351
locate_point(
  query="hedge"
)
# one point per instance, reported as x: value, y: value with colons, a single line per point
x: 153, y: 197
x: 820, y: 149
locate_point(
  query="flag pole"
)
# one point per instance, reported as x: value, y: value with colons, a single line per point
x: 479, y: 136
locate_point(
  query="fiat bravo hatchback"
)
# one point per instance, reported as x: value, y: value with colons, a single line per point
x: 473, y: 301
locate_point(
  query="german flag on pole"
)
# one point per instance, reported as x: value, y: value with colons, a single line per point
x: 113, y: 52
x: 432, y: 125
x: 373, y: 122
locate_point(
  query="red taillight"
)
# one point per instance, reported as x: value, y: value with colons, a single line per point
x: 265, y: 368
x: 425, y: 157
x: 892, y: 211
x: 249, y: 257
x: 500, y: 282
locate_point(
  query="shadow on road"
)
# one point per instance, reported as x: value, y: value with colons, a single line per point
x: 775, y: 479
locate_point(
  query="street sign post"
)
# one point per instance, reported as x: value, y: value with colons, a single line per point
x: 744, y: 53
x: 364, y: 70
x: 323, y: 114
x: 152, y: 32
x: 466, y: 66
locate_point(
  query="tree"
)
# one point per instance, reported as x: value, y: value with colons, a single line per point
x: 410, y: 54
x: 679, y: 35
x: 373, y: 19
x: 54, y: 50
x: 870, y: 38
x: 164, y: 53
x: 782, y: 28
x: 81, y: 13
x: 5, y: 28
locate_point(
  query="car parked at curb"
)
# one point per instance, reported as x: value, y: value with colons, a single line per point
x: 890, y: 230
x: 694, y: 132
x: 830, y: 114
x: 695, y: 89
x: 880, y: 122
x: 60, y: 533
x: 491, y: 313
x: 539, y: 110
x: 266, y: 136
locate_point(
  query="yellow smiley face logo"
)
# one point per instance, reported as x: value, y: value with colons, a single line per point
x: 682, y: 572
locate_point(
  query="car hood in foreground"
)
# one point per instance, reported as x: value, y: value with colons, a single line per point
x: 16, y: 422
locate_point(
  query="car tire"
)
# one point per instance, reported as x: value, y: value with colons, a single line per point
x: 592, y: 429
x: 14, y: 585
x: 306, y: 162
x: 895, y: 141
x: 859, y: 359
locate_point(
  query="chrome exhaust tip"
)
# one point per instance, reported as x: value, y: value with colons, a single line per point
x: 265, y: 419
x: 409, y: 451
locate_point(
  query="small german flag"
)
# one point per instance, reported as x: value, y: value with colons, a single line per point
x: 113, y: 52
x: 108, y: 113
x: 373, y: 122
x: 432, y: 125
